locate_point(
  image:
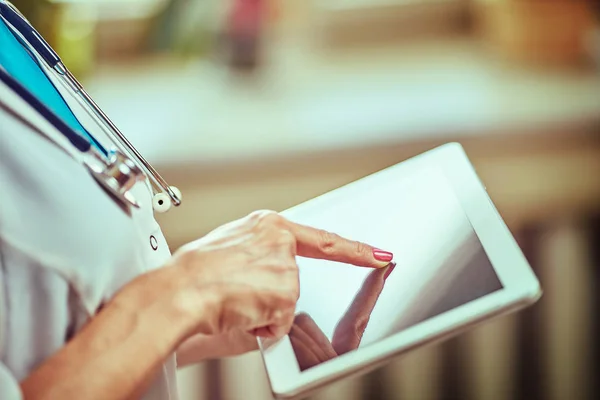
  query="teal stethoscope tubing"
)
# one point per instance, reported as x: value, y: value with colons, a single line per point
x: 76, y: 140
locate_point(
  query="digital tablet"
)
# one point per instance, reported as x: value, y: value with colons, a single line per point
x: 455, y: 265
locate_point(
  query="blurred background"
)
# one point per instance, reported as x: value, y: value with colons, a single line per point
x: 251, y: 104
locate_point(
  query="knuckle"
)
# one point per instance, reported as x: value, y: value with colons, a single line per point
x: 361, y: 249
x: 286, y: 238
x: 270, y: 217
x: 288, y: 300
x: 266, y: 219
x: 327, y: 243
x: 277, y: 314
x: 283, y: 325
x: 285, y: 269
x: 285, y: 305
x: 259, y: 216
x: 292, y: 287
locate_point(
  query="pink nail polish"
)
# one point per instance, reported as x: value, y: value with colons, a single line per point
x: 381, y: 255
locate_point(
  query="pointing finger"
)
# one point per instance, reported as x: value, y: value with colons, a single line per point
x: 317, y: 243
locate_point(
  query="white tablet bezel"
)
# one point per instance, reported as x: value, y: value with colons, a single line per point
x: 520, y: 285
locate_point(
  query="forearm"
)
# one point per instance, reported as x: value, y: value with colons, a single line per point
x: 118, y: 353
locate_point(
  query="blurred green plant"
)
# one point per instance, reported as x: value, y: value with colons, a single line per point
x: 188, y: 28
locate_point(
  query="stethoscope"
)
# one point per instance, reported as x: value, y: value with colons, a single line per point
x: 115, y: 170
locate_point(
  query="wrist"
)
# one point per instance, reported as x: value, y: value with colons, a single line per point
x: 174, y: 297
x: 194, y: 309
x: 196, y: 349
x: 193, y: 299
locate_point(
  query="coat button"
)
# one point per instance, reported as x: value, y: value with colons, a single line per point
x: 153, y: 242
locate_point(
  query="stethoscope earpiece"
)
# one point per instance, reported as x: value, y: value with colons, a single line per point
x: 161, y: 202
x: 177, y: 192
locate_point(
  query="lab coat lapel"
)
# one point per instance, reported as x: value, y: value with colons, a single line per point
x: 17, y: 106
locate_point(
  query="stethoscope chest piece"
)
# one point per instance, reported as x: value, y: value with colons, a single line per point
x: 116, y: 173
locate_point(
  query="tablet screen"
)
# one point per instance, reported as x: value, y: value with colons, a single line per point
x: 439, y: 264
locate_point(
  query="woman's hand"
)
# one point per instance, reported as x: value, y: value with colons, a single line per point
x: 241, y: 277
x: 245, y: 272
x: 310, y: 344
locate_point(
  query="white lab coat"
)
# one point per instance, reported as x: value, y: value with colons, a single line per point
x: 66, y: 246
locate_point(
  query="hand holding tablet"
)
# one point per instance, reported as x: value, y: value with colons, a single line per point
x: 456, y: 265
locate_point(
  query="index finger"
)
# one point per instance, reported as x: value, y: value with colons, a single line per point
x: 321, y: 244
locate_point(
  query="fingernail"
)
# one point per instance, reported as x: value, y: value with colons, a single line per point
x: 390, y: 268
x: 381, y: 255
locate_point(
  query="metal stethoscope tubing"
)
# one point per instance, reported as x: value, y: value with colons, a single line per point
x: 172, y: 193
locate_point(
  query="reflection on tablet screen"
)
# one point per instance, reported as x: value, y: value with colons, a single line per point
x: 439, y: 265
